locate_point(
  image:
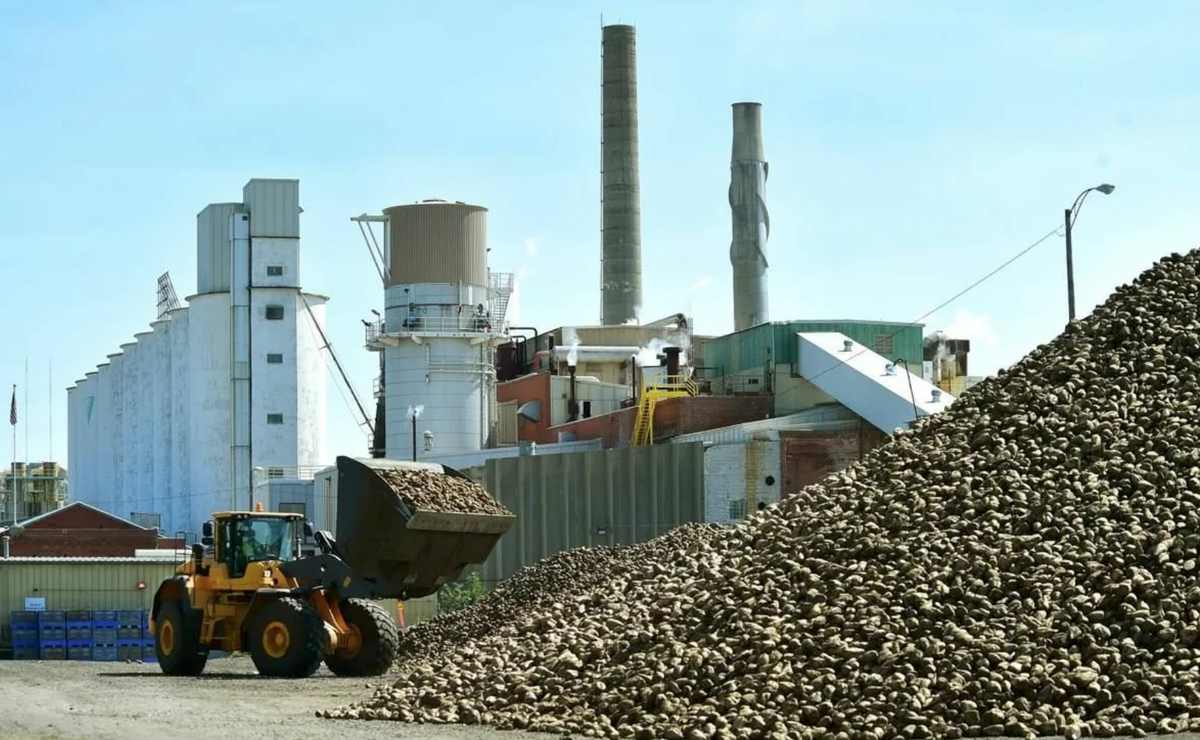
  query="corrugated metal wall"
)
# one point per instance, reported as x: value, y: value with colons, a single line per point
x: 776, y: 342
x: 66, y: 584
x: 606, y: 497
x: 438, y: 243
x: 274, y: 207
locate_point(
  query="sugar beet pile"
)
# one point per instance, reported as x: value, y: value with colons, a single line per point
x: 1023, y: 563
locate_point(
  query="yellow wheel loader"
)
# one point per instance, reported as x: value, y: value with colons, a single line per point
x: 247, y: 588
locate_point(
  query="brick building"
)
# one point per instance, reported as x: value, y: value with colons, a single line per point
x: 82, y: 530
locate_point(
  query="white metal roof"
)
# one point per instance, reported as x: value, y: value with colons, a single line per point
x: 858, y: 378
x: 816, y: 419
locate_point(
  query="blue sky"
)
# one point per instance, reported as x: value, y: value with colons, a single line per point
x: 913, y: 146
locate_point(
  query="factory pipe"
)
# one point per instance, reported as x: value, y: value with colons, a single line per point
x: 751, y: 223
x: 672, y: 360
x: 621, y: 236
x: 589, y: 353
x: 573, y: 403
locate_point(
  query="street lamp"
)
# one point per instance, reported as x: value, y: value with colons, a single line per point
x: 414, y: 413
x: 1070, y: 215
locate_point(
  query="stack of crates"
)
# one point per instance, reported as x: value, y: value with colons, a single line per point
x: 129, y: 635
x: 104, y: 635
x: 79, y: 635
x: 149, y: 652
x: 52, y: 635
x: 25, y: 635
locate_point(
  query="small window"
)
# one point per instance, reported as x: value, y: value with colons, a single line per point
x: 737, y: 509
x: 587, y: 409
x: 274, y: 270
x: 274, y: 418
x: 294, y: 507
x: 885, y: 344
x: 274, y: 313
x: 274, y: 472
x: 274, y: 358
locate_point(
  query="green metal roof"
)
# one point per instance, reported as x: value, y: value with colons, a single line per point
x: 776, y: 342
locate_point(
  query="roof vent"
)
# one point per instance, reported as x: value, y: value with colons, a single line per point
x: 889, y: 369
x: 937, y: 396
x: 847, y: 345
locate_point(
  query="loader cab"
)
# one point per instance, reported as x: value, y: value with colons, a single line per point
x: 244, y: 537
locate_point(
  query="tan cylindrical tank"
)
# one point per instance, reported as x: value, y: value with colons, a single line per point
x: 437, y: 242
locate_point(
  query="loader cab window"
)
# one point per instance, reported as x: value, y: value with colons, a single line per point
x: 245, y: 540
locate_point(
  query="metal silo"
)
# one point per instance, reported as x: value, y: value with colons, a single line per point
x: 180, y: 423
x: 437, y: 335
x: 90, y: 438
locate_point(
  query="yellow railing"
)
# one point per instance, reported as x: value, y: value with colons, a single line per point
x: 659, y: 389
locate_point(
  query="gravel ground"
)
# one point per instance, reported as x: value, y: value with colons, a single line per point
x: 99, y: 701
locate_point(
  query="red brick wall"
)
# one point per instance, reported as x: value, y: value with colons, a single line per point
x: 77, y: 531
x: 686, y: 415
x: 810, y: 456
x: 522, y: 390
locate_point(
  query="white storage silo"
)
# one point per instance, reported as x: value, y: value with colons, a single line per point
x: 143, y: 497
x: 90, y: 472
x: 209, y: 426
x: 161, y: 421
x: 131, y: 399
x: 437, y: 336
x: 113, y: 482
x: 180, y: 402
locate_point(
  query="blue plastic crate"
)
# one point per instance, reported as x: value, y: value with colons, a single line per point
x: 129, y: 618
x: 149, y: 652
x: 129, y: 633
x: 79, y: 631
x: 105, y: 618
x: 24, y: 635
x: 24, y: 617
x: 25, y: 653
x: 79, y: 652
x: 129, y: 650
x: 104, y: 652
x: 104, y: 635
x: 52, y: 633
x: 52, y: 653
x: 145, y: 620
x: 54, y: 617
x: 79, y: 615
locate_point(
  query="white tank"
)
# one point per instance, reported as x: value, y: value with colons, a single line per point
x: 89, y: 473
x: 112, y: 484
x: 144, y: 440
x: 180, y: 404
x: 72, y: 414
x: 209, y: 430
x: 131, y: 395
x: 449, y: 373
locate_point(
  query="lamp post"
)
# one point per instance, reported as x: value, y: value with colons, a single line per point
x: 414, y: 413
x: 1069, y: 217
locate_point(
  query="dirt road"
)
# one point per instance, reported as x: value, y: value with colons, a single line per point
x: 119, y: 701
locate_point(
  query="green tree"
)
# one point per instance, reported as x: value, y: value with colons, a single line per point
x: 460, y: 594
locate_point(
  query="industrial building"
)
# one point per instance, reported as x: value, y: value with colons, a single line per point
x: 229, y: 388
x: 32, y: 489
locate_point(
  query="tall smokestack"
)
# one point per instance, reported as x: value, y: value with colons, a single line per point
x: 751, y: 224
x: 621, y: 268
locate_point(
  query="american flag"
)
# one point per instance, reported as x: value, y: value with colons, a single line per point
x: 12, y: 414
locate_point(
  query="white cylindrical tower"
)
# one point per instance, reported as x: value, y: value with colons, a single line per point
x: 438, y: 336
x: 161, y: 422
x: 131, y: 399
x: 112, y: 487
x: 180, y: 403
x: 73, y: 446
x: 144, y: 499
x: 90, y: 472
x: 210, y: 430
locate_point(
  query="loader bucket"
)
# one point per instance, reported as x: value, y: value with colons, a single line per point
x: 405, y: 553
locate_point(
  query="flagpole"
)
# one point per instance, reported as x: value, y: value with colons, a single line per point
x: 12, y: 492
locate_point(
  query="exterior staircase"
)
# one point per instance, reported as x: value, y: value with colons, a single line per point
x: 660, y: 389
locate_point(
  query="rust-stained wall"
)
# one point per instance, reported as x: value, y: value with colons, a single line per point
x: 810, y: 456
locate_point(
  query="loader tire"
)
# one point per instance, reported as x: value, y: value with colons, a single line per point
x: 287, y: 638
x: 177, y: 641
x: 378, y: 640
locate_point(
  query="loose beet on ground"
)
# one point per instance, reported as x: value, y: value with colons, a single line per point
x: 1025, y: 563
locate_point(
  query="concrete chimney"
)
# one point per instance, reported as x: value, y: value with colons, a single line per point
x: 751, y: 224
x: 621, y: 266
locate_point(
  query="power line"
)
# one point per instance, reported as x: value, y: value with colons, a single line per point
x: 917, y: 321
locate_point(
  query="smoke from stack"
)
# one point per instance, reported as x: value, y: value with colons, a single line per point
x: 751, y: 223
x: 621, y: 269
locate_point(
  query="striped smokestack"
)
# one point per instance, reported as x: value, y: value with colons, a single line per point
x: 621, y: 266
